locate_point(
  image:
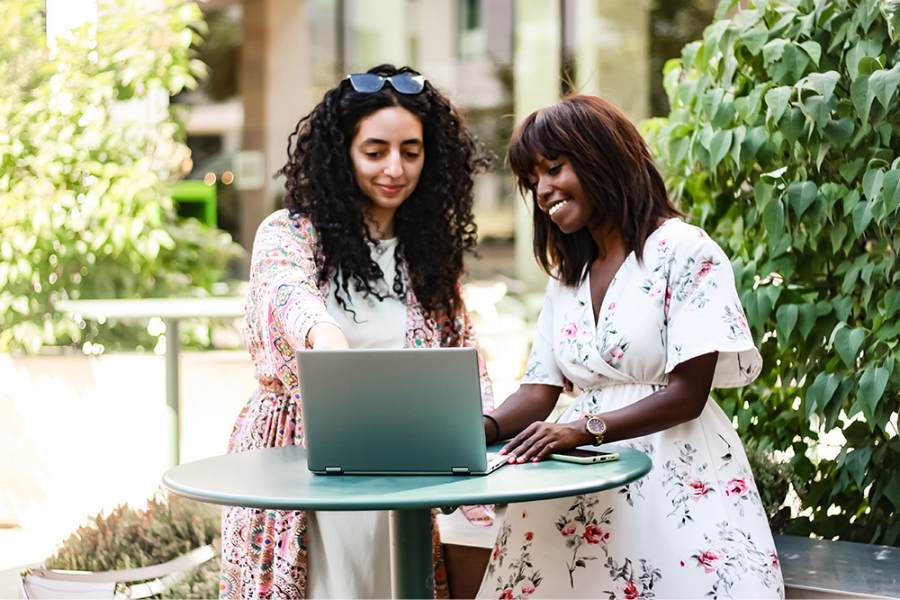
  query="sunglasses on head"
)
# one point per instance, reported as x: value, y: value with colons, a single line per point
x: 369, y: 83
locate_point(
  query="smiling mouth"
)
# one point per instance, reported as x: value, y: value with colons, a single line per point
x: 556, y: 206
x: 390, y: 188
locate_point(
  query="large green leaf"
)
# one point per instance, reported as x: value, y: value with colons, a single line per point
x: 891, y: 190
x: 862, y: 215
x: 786, y: 318
x: 848, y: 343
x: 872, y: 384
x: 823, y: 83
x: 800, y: 195
x: 813, y: 50
x: 718, y: 147
x: 839, y: 133
x: 776, y: 103
x: 883, y: 84
x: 890, y: 9
x: 862, y: 96
x: 773, y: 217
x: 819, y: 394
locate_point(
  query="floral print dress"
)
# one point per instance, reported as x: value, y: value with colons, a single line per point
x: 265, y: 552
x: 694, y: 526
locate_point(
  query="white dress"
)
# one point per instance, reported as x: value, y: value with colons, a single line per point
x: 694, y: 526
x: 349, y: 552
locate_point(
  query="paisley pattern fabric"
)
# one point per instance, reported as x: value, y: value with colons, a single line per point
x: 694, y: 526
x: 264, y: 552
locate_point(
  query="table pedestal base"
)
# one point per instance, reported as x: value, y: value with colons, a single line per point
x: 412, y: 574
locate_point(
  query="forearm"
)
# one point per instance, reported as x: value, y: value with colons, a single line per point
x: 667, y: 407
x: 680, y: 401
x: 521, y: 409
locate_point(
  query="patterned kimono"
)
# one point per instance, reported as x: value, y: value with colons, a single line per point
x: 264, y: 552
x: 694, y: 526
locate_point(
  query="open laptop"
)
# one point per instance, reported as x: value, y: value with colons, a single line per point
x: 394, y: 412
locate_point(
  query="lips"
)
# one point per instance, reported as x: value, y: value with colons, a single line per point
x: 389, y: 189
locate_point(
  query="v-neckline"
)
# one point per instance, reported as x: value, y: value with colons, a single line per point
x: 615, y: 277
x: 612, y: 281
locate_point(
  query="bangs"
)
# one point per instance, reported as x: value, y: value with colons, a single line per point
x: 536, y: 137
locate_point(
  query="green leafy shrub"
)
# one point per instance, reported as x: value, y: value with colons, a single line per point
x: 774, y: 478
x: 783, y: 142
x: 85, y: 208
x: 128, y: 538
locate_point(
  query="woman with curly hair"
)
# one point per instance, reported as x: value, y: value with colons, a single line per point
x: 367, y: 253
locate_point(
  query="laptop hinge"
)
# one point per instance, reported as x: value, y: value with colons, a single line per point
x: 334, y: 470
x: 460, y: 470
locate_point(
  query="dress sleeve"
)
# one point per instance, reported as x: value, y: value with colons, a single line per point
x: 284, y: 300
x: 470, y: 339
x: 704, y: 314
x: 541, y: 366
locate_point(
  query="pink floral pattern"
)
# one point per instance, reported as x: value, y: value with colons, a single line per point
x: 264, y: 552
x: 662, y: 535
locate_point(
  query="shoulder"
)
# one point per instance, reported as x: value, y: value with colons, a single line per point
x: 281, y: 223
x: 683, y: 240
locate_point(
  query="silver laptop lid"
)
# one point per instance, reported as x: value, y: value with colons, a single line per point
x: 410, y: 411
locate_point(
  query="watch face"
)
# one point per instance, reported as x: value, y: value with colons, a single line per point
x: 596, y: 425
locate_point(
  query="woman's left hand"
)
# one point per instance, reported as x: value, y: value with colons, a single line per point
x: 540, y: 439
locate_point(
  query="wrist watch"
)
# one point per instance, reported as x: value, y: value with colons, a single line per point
x: 596, y: 427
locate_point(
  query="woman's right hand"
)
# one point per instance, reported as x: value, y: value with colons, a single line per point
x: 327, y: 336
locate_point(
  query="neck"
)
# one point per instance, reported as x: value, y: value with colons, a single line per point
x: 608, y: 239
x: 380, y: 222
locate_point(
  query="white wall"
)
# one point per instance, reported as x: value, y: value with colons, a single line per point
x: 80, y: 435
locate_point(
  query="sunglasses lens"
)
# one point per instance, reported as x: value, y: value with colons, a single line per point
x: 366, y: 83
x: 407, y: 84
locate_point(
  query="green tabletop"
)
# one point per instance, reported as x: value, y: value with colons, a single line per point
x: 277, y: 478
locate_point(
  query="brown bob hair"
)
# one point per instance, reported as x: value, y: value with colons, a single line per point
x: 615, y: 169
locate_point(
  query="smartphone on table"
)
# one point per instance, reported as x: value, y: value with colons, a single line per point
x: 585, y: 455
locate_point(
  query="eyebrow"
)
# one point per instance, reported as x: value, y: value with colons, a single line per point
x: 416, y: 141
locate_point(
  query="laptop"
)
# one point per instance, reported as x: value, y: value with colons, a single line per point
x: 394, y: 412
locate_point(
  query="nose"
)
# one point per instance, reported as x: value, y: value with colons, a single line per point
x: 394, y: 166
x: 543, y: 189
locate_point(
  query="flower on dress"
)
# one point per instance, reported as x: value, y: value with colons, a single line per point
x: 496, y: 553
x: 699, y: 489
x: 569, y: 529
x: 506, y: 594
x: 663, y: 242
x: 773, y: 560
x: 708, y: 560
x: 570, y: 330
x: 529, y: 535
x: 594, y: 535
x: 611, y: 306
x: 631, y: 592
x: 527, y: 588
x: 616, y: 353
x: 706, y: 265
x: 736, y: 487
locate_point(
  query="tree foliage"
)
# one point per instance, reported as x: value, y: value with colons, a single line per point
x: 85, y: 166
x: 783, y: 141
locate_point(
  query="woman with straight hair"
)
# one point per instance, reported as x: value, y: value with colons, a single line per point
x: 642, y: 319
x: 367, y: 253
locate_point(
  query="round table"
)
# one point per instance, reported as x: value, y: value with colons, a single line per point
x: 277, y: 478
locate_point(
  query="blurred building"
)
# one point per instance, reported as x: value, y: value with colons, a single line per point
x: 271, y: 61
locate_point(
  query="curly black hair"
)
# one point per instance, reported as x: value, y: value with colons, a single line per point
x: 435, y: 226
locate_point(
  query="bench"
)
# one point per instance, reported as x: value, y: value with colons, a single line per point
x: 811, y: 568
